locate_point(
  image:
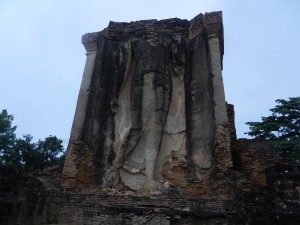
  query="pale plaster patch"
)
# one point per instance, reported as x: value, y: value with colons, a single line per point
x: 133, y: 181
x: 174, y: 136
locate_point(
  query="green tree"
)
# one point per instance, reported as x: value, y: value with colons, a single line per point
x: 24, y: 154
x: 52, y: 150
x: 7, y: 132
x: 281, y: 128
x: 30, y: 158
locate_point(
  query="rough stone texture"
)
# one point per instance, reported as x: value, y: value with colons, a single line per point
x: 231, y: 123
x: 155, y: 110
x: 34, y: 199
x: 252, y: 158
x: 153, y: 141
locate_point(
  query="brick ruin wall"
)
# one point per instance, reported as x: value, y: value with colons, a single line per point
x: 260, y: 189
x: 246, y: 184
x: 269, y: 196
x: 91, y: 153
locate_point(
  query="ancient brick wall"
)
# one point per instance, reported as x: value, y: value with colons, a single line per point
x: 284, y: 183
x: 231, y: 122
x: 203, y: 174
x: 118, y: 135
x: 253, y: 157
x: 32, y: 199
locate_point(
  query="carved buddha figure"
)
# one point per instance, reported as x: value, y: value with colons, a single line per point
x: 150, y: 64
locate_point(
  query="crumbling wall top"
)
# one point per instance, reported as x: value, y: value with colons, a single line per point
x: 211, y: 23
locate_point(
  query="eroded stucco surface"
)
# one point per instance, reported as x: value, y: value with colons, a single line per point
x: 155, y: 100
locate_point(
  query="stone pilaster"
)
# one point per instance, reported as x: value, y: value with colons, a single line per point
x: 72, y: 171
x: 214, y: 30
x: 90, y: 43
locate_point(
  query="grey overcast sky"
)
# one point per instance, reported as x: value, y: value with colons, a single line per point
x: 42, y: 59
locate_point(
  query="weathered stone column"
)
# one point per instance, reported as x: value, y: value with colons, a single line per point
x: 77, y: 150
x: 214, y: 29
x: 219, y: 94
x: 90, y: 43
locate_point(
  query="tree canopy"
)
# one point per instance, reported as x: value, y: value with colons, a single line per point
x: 7, y: 131
x: 281, y: 128
x: 23, y: 153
